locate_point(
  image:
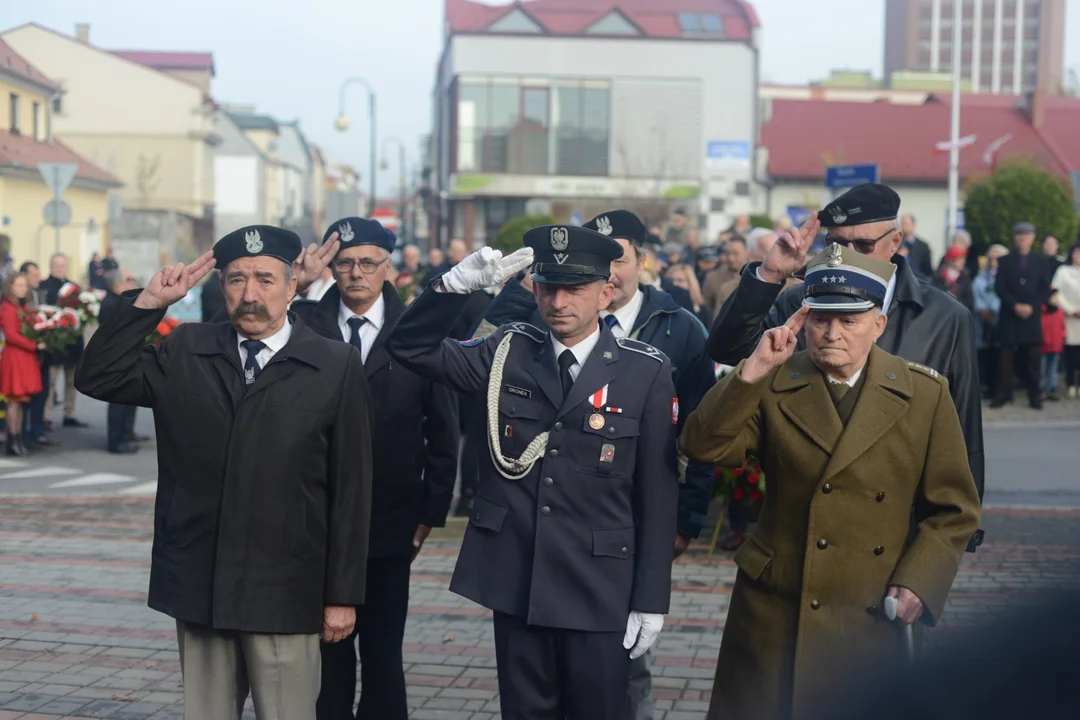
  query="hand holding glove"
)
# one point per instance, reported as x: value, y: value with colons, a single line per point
x: 642, y: 629
x: 485, y: 268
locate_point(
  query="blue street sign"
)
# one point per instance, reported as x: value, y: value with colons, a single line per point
x: 575, y: 219
x: 798, y: 215
x: 959, y: 219
x: 737, y: 151
x: 848, y: 176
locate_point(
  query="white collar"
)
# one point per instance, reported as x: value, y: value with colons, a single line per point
x: 375, y: 314
x: 275, y: 342
x: 582, y: 350
x: 850, y: 382
x: 627, y: 314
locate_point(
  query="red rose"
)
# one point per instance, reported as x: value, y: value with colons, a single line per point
x: 737, y: 494
x: 755, y: 495
x: 163, y: 328
x: 65, y: 321
x: 738, y: 472
x: 171, y: 321
x: 752, y: 478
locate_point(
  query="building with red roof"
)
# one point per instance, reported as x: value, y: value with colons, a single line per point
x: 574, y: 106
x: 801, y: 138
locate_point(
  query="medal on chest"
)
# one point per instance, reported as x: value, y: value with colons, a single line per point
x: 598, y: 400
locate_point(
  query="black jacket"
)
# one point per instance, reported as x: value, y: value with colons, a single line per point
x: 1029, y: 286
x: 926, y: 326
x: 919, y: 259
x: 677, y: 333
x: 588, y: 534
x: 50, y: 286
x: 415, y: 436
x: 263, y: 499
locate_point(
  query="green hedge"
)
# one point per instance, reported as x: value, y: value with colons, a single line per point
x: 1019, y: 191
x: 509, y: 237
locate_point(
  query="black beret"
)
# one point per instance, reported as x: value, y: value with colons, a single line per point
x: 862, y: 205
x: 710, y: 253
x: 1023, y: 227
x: 354, y: 231
x: 569, y: 255
x: 258, y: 241
x: 620, y: 224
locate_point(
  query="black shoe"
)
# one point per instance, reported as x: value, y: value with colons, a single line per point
x: 42, y: 441
x: 137, y: 438
x: 124, y: 448
x: 48, y: 426
x: 15, y: 448
x: 72, y: 422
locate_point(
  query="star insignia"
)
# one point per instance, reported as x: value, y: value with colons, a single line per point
x: 842, y: 279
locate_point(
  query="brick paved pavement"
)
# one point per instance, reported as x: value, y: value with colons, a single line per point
x: 77, y: 640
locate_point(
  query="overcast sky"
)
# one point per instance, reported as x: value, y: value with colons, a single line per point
x: 289, y: 58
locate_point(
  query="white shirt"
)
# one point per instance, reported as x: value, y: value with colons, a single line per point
x: 274, y: 343
x: 626, y: 316
x: 850, y: 382
x: 375, y: 316
x: 581, y: 351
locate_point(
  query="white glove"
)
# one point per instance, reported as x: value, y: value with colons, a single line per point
x: 485, y: 268
x: 642, y: 629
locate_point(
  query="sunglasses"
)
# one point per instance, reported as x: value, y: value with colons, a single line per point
x: 864, y: 247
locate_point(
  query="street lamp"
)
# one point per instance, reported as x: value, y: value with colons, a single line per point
x: 342, y: 124
x: 401, y: 176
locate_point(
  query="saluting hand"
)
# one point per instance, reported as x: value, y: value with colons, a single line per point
x: 485, y: 268
x: 172, y: 283
x: 789, y: 252
x: 313, y: 260
x: 775, y: 347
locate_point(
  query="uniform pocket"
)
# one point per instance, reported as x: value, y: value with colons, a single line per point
x: 519, y: 424
x: 753, y: 557
x: 487, y: 514
x: 613, y: 543
x: 612, y: 446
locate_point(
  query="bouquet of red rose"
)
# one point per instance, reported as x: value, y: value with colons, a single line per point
x: 56, y: 327
x: 87, y: 303
x: 163, y: 330
x: 745, y: 484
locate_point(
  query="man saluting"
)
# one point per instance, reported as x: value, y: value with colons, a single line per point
x: 264, y: 475
x: 570, y: 538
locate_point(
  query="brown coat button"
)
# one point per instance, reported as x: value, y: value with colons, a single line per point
x: 826, y: 488
x: 879, y: 550
x: 822, y: 544
x: 814, y: 605
x: 881, y: 497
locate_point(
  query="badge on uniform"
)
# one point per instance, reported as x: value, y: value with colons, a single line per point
x: 675, y: 411
x: 471, y: 343
x: 519, y: 391
x: 509, y: 431
x: 596, y: 420
x: 249, y: 376
x: 607, y: 453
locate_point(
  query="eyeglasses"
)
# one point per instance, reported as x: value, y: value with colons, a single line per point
x: 344, y: 266
x: 864, y: 247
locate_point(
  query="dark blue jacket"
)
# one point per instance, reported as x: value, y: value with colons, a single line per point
x: 672, y: 330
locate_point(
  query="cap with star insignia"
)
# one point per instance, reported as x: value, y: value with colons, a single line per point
x: 570, y: 255
x: 257, y: 241
x: 844, y: 281
x: 861, y: 205
x: 620, y: 224
x: 355, y: 231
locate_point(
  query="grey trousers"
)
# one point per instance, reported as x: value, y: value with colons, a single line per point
x: 282, y: 673
x: 641, y: 698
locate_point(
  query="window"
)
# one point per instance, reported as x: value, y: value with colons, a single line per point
x: 701, y: 24
x: 57, y: 104
x: 13, y: 100
x: 533, y: 127
x: 614, y: 23
x: 515, y: 22
x: 39, y: 126
x: 689, y: 23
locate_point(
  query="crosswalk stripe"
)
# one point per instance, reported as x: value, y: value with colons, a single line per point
x: 94, y: 479
x: 7, y: 463
x: 39, y: 472
x: 146, y: 488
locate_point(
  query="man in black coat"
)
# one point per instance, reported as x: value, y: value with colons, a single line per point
x: 264, y: 475
x: 415, y: 449
x: 916, y: 250
x: 570, y: 541
x: 1023, y: 284
x: 926, y: 325
x: 68, y: 359
x: 120, y: 419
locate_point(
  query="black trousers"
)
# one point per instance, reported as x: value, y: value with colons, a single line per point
x: 380, y: 631
x: 988, y: 368
x: 1027, y: 359
x: 34, y: 418
x: 121, y: 423
x: 1072, y: 366
x: 552, y: 674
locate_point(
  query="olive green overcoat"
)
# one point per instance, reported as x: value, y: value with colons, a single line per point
x: 806, y: 613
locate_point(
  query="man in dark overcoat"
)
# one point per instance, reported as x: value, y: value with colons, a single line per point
x: 1023, y: 284
x: 570, y: 540
x: 415, y: 449
x: 264, y: 475
x: 65, y: 360
x: 120, y: 419
x: 926, y: 325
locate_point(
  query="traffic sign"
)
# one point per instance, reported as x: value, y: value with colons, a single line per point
x: 387, y: 218
x: 57, y: 213
x: 848, y: 176
x: 575, y: 219
x: 58, y: 175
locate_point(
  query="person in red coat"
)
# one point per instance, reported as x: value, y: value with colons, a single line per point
x: 20, y: 373
x: 1053, y: 345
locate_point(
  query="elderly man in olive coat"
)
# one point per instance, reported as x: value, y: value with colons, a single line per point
x: 855, y: 442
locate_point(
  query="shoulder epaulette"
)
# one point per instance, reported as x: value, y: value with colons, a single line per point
x: 531, y: 331
x: 640, y: 347
x: 925, y: 370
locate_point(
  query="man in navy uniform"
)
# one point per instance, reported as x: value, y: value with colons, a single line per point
x: 570, y: 538
x: 414, y: 446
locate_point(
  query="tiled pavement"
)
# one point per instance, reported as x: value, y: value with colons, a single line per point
x: 77, y: 641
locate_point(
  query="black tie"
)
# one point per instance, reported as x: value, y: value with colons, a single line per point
x: 356, y: 323
x: 251, y: 364
x: 611, y: 321
x: 566, y: 360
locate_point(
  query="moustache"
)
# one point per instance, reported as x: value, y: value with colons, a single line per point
x: 253, y: 308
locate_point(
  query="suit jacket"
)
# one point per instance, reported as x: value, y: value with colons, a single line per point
x: 263, y: 499
x: 834, y: 529
x: 587, y: 534
x: 1031, y: 286
x: 415, y: 446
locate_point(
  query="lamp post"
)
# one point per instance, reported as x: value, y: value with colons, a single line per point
x: 401, y: 177
x: 342, y: 124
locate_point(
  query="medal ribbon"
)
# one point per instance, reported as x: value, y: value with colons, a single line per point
x: 599, y: 398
